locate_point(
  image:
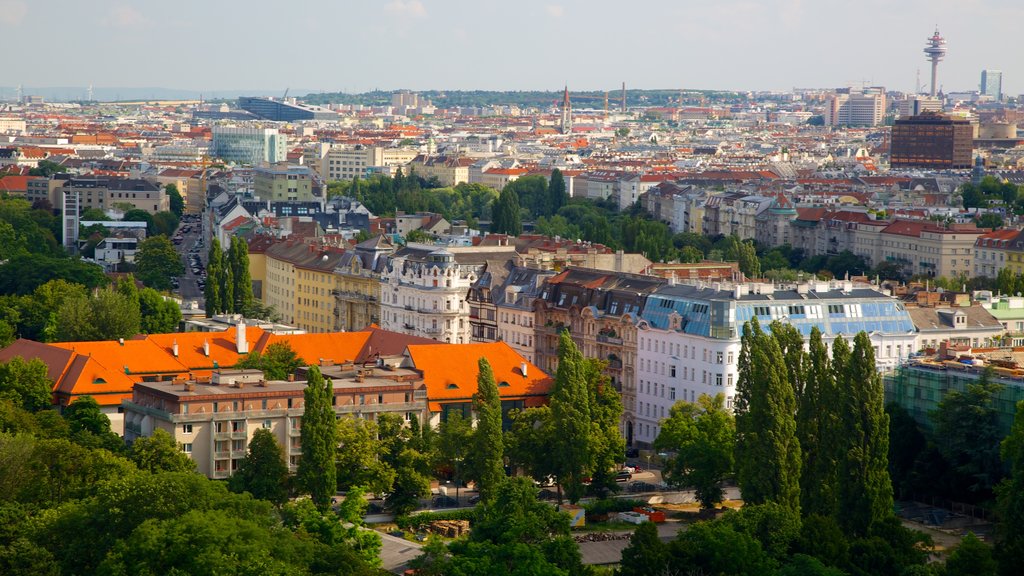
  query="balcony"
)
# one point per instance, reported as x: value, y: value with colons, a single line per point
x: 606, y: 339
x: 230, y: 435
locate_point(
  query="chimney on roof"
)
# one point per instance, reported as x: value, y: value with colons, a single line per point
x: 206, y: 348
x: 174, y: 348
x: 120, y: 341
x: 522, y: 368
x: 241, y: 344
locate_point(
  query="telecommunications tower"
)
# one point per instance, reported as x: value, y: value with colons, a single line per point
x: 935, y: 50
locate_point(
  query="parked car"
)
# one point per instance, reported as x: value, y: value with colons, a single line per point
x: 630, y: 469
x: 623, y: 476
x: 445, y: 502
x: 546, y: 494
x: 474, y: 499
x: 641, y: 486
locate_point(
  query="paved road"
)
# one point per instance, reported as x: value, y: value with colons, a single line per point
x: 188, y: 288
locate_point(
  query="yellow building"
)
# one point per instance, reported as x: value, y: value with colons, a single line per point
x: 357, y: 292
x: 300, y: 284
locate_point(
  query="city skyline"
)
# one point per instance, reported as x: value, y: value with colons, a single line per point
x: 491, y: 45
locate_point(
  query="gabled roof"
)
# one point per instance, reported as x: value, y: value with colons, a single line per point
x: 450, y: 371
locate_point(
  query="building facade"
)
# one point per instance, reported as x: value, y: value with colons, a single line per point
x: 286, y: 183
x: 425, y: 289
x: 689, y: 336
x: 932, y: 140
x: 357, y: 291
x: 250, y: 146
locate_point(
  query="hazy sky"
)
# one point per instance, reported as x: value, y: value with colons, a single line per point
x: 358, y: 45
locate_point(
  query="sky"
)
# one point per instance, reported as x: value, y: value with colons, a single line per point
x: 360, y: 45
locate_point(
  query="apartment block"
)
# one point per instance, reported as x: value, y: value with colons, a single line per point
x: 688, y: 336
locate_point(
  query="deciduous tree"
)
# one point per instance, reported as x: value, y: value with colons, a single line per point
x: 487, y: 459
x: 160, y: 452
x: 767, y: 450
x: 157, y: 262
x: 317, y: 472
x: 263, y: 472
x: 702, y: 437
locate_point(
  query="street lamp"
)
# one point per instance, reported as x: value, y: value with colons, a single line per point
x: 648, y: 461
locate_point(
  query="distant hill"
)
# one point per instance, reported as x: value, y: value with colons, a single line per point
x: 114, y: 94
x: 526, y: 98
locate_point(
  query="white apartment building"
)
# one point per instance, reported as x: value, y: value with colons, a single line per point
x: 425, y: 289
x: 856, y: 107
x: 688, y: 339
x: 347, y: 162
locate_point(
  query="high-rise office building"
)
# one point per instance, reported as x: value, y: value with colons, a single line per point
x: 992, y: 84
x: 932, y: 140
x: 856, y: 107
x: 251, y: 146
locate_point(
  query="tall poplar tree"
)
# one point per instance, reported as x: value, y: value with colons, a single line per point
x: 792, y: 344
x: 817, y: 428
x: 214, y: 278
x: 227, y: 289
x: 506, y: 218
x: 865, y: 489
x: 240, y: 271
x: 571, y: 420
x: 767, y: 449
x: 557, y: 195
x: 488, y: 463
x: 606, y: 442
x: 317, y: 472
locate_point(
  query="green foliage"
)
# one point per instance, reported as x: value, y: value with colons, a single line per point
x: 606, y: 442
x: 277, y: 362
x: 990, y: 190
x: 418, y: 236
x: 238, y: 257
x: 215, y: 267
x: 159, y: 315
x: 505, y: 217
x: 1010, y: 502
x: 702, y: 437
x: 160, y: 452
x: 691, y: 255
x: 821, y: 537
x: 971, y: 557
x: 558, y: 196
x: 177, y: 203
x: 817, y: 425
x: 25, y: 383
x: 46, y: 168
x: 69, y: 508
x: 767, y: 450
x: 24, y: 230
x: 157, y: 262
x: 23, y: 273
x: 486, y: 464
x: 990, y: 220
x: 108, y: 315
x: 864, y: 488
x: 967, y: 434
x: 744, y: 253
x: 263, y: 472
x: 571, y: 420
x: 356, y: 457
x: 515, y: 534
x: 411, y: 481
x: 906, y: 444
x: 317, y: 473
x: 646, y: 554
x: 84, y: 415
x: 718, y: 548
x: 775, y: 527
x: 527, y: 442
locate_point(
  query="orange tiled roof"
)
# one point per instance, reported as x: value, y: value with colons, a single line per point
x: 450, y: 371
x: 311, y: 348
